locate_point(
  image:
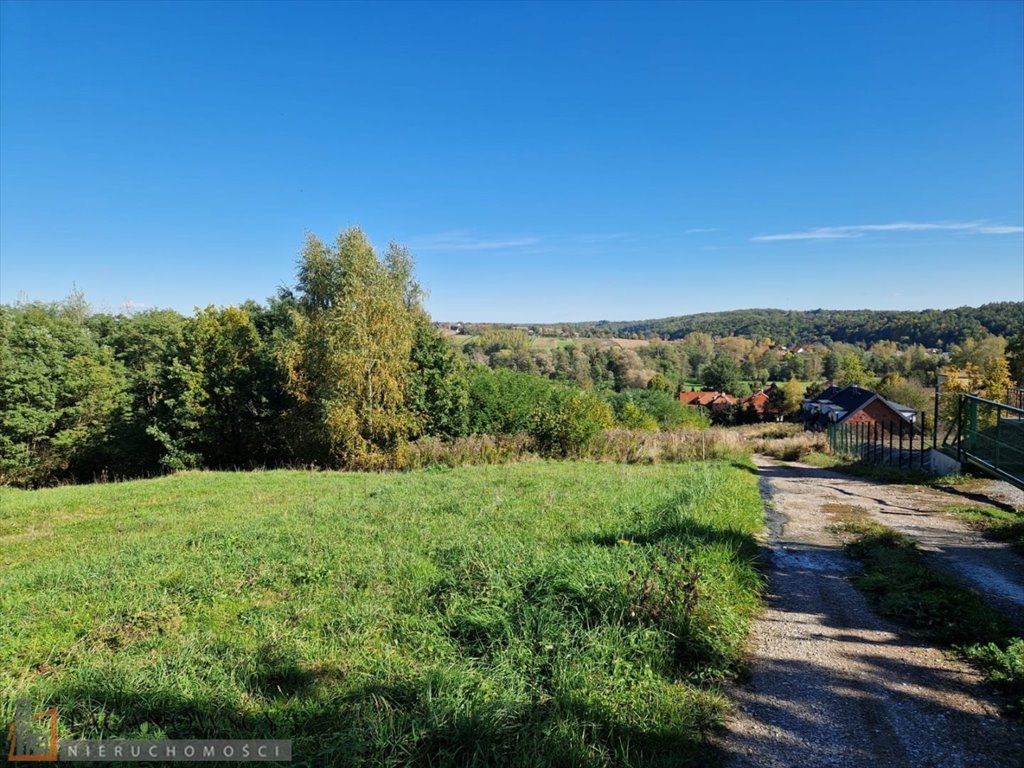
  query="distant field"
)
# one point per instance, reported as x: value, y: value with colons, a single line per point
x: 551, y: 342
x: 533, y: 614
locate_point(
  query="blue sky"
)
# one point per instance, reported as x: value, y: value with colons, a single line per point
x: 543, y: 162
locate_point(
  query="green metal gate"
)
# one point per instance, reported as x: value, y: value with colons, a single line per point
x: 990, y: 436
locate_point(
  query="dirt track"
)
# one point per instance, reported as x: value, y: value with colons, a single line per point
x: 832, y: 684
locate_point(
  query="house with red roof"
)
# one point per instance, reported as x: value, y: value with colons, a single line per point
x: 713, y: 402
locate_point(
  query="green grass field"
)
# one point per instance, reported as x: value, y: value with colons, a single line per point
x: 533, y: 614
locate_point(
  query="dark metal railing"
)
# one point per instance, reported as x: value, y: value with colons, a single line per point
x: 896, y: 444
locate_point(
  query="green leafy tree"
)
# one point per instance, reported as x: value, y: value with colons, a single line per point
x: 632, y: 416
x: 60, y: 395
x: 832, y: 366
x: 567, y: 425
x: 503, y: 401
x: 146, y: 344
x: 995, y: 379
x: 350, y: 361
x: 699, y: 349
x: 723, y: 375
x: 982, y: 352
x: 1015, y: 358
x: 437, y: 392
x: 228, y: 385
x: 852, y: 372
x: 792, y: 397
x: 663, y: 408
x: 660, y: 383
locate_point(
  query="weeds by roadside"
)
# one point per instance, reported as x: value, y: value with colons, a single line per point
x: 623, y: 446
x: 881, y: 473
x: 791, y: 447
x: 998, y: 524
x: 904, y: 588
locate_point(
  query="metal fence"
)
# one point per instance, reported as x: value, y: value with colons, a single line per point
x: 1015, y: 397
x: 895, y: 444
x: 990, y: 435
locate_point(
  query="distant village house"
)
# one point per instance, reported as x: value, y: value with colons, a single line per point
x: 855, y: 405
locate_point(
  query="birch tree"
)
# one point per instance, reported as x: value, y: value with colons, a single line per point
x: 349, y: 362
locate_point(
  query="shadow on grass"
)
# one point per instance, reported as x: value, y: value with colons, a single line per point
x: 744, y: 466
x: 407, y: 723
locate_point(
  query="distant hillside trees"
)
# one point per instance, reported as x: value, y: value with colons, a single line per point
x: 930, y: 328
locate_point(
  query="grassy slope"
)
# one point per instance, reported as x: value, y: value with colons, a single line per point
x: 558, y: 613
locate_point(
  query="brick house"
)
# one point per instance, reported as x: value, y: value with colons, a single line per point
x: 855, y: 405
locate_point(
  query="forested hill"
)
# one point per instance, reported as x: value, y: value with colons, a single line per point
x: 930, y: 327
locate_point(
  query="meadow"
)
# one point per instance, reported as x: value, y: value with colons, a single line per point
x: 540, y: 613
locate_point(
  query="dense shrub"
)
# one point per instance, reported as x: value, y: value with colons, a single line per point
x: 503, y: 401
x: 664, y: 408
x: 437, y: 391
x: 568, y: 422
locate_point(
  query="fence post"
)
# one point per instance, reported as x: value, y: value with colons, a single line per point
x: 922, y: 441
x: 999, y: 424
x: 972, y: 429
x: 960, y: 428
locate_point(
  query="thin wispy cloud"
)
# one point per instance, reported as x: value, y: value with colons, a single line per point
x: 815, y: 234
x: 698, y: 230
x: 999, y: 230
x: 464, y: 241
x: 859, y: 230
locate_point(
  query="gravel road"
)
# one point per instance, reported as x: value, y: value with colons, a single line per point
x: 833, y: 684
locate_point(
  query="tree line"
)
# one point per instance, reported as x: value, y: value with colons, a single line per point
x: 934, y: 328
x: 345, y: 369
